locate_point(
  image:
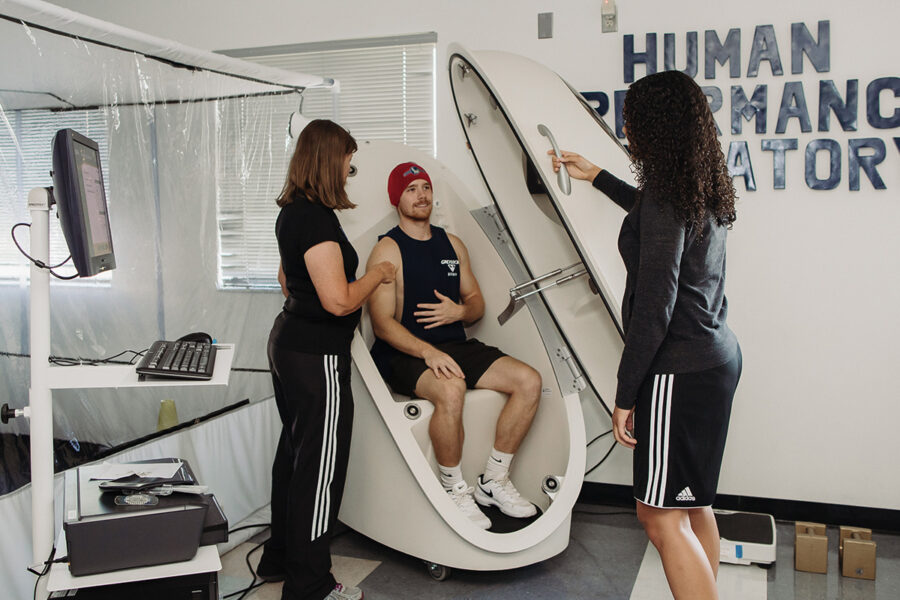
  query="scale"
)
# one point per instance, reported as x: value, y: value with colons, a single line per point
x: 746, y: 537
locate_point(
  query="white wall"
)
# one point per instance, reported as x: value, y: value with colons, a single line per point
x: 813, y: 284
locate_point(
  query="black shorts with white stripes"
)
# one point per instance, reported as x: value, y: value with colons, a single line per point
x: 680, y: 424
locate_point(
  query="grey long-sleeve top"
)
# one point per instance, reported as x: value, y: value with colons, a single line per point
x: 674, y: 310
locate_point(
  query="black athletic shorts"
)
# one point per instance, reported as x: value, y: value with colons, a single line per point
x: 402, y: 371
x: 680, y: 424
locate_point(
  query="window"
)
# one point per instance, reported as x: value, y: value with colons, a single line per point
x: 26, y: 138
x: 386, y: 93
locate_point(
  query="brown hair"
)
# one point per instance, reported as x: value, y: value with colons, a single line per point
x: 316, y: 167
x: 674, y: 145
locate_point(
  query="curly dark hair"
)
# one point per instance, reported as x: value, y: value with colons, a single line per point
x: 676, y: 152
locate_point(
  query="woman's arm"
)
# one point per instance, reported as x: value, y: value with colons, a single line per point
x: 282, y: 279
x: 325, y: 264
x: 621, y: 193
x: 655, y: 292
x: 581, y: 168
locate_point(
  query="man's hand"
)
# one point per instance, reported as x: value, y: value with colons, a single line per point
x: 441, y: 364
x: 442, y: 313
x: 623, y: 427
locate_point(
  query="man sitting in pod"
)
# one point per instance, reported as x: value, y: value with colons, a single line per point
x: 421, y: 348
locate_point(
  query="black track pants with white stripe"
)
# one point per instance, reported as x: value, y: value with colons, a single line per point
x: 316, y: 408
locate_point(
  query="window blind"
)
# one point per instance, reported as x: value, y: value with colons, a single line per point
x: 26, y: 138
x: 386, y: 93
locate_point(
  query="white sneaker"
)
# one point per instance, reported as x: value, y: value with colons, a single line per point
x: 462, y: 496
x: 344, y: 592
x: 504, y: 495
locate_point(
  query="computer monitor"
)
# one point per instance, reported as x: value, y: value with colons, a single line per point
x: 81, y: 202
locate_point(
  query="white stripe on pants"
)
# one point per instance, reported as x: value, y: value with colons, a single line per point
x: 329, y: 447
x: 658, y: 451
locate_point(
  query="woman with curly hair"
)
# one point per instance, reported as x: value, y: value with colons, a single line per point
x: 681, y: 363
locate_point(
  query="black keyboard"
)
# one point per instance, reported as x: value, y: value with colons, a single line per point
x: 182, y: 360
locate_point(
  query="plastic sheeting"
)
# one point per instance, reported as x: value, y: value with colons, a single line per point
x: 171, y: 155
x: 232, y: 454
x: 43, y: 79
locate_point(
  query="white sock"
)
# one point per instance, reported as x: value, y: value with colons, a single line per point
x: 450, y: 476
x: 497, y: 465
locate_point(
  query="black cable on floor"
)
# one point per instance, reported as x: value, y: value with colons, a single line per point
x: 604, y: 434
x: 242, y: 527
x: 253, y: 584
x: 602, y: 460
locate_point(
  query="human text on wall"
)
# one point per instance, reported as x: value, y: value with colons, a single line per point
x: 746, y: 108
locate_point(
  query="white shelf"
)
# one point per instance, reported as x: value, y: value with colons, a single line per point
x: 125, y: 376
x: 205, y: 561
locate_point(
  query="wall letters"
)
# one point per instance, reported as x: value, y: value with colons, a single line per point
x: 864, y: 155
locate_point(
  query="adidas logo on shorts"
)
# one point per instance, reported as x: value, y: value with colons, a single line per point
x: 685, y: 495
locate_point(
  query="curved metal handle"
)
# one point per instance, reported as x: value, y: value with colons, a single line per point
x: 562, y: 176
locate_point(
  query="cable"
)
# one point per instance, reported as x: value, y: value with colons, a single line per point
x: 605, y: 433
x: 253, y: 584
x: 67, y: 361
x: 40, y: 264
x: 44, y: 571
x: 246, y: 590
x: 602, y: 460
x: 230, y: 531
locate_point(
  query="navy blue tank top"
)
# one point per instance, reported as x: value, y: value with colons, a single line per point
x: 427, y: 266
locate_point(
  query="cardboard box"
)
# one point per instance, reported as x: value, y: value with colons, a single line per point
x: 857, y: 553
x: 810, y: 547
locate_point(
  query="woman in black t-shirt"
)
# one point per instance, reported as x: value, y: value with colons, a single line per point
x: 309, y: 355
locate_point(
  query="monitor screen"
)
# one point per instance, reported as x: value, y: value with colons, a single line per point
x: 81, y: 202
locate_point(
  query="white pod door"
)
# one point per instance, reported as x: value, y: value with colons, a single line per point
x: 513, y: 110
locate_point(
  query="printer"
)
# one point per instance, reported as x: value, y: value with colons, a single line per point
x: 130, y: 523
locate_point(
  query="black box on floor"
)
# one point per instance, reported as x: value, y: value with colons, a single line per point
x: 104, y: 535
x: 200, y: 586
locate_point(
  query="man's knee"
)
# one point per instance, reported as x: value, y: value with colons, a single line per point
x: 525, y: 383
x: 447, y: 394
x: 529, y: 383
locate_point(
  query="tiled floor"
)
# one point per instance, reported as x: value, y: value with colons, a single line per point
x: 607, y: 551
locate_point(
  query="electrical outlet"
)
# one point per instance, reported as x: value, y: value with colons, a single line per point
x: 610, y: 23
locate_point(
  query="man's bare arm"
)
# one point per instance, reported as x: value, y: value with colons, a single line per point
x: 469, y: 291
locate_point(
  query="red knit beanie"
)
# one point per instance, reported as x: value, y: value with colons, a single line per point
x: 402, y: 175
